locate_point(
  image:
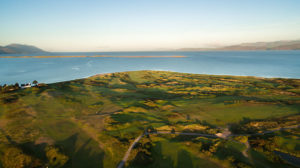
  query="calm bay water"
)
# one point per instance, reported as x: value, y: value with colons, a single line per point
x: 247, y: 63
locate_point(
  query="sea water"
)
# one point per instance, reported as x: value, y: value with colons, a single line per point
x: 284, y: 64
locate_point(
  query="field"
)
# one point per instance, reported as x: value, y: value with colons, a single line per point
x: 91, y: 122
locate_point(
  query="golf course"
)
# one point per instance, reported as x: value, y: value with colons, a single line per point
x: 94, y: 121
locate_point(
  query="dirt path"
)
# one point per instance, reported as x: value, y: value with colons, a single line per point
x: 269, y: 131
x: 245, y: 151
x: 185, y: 133
x: 224, y: 135
x: 122, y: 163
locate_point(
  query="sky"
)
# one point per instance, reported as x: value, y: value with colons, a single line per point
x: 140, y: 25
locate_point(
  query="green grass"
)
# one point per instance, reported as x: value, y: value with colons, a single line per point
x: 174, y: 154
x: 235, y: 145
x: 288, y: 142
x: 260, y: 160
x: 93, y: 120
x: 221, y: 114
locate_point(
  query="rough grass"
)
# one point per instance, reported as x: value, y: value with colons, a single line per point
x: 174, y: 154
x: 94, y: 120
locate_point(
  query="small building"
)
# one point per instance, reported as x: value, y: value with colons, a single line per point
x: 28, y: 85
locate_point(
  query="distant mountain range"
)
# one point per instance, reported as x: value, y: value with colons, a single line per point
x: 20, y: 49
x: 277, y: 45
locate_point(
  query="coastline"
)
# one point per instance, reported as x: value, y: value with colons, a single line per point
x: 107, y: 103
x: 183, y: 73
x: 166, y: 71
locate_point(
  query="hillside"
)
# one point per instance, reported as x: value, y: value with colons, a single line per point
x: 91, y: 122
x: 20, y: 49
x: 277, y: 45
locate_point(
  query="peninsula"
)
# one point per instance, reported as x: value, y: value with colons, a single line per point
x: 150, y: 118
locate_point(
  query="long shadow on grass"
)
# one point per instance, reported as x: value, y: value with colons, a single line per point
x: 159, y: 160
x: 133, y: 116
x: 224, y: 152
x: 139, y: 94
x: 184, y: 159
x: 82, y: 152
x: 36, y: 150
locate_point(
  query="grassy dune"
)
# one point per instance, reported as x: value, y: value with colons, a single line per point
x: 91, y: 122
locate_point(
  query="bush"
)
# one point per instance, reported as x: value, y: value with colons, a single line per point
x: 15, y: 158
x: 55, y: 158
x: 144, y: 154
x: 242, y: 139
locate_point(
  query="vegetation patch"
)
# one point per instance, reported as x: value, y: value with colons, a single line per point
x: 92, y: 122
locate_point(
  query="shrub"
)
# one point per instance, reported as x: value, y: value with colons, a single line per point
x: 15, y: 158
x: 55, y: 158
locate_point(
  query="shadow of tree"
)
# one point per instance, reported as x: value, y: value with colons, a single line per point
x: 159, y: 159
x: 36, y: 150
x: 82, y: 152
x: 184, y: 159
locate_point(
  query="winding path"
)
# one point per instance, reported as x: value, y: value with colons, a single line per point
x: 226, y: 133
x: 122, y: 163
x: 184, y: 133
x: 245, y: 151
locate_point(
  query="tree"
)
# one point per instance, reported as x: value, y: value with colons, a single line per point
x: 151, y: 129
x: 188, y: 117
x: 173, y: 131
x: 55, y: 158
x: 17, y: 86
x: 35, y: 82
x: 14, y: 157
x: 144, y: 155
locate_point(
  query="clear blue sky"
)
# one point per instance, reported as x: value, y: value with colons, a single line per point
x: 114, y: 25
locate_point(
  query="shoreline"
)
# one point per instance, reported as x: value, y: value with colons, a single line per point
x: 100, y: 56
x: 149, y: 70
x: 216, y: 75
